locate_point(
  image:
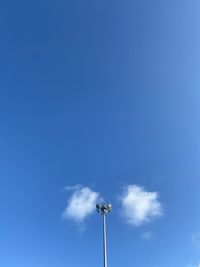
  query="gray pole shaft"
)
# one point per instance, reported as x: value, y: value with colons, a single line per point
x: 104, y: 241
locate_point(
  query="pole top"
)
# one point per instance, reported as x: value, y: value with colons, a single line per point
x: 103, y: 208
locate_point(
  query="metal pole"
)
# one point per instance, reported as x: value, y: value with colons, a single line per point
x: 104, y: 240
x: 104, y: 209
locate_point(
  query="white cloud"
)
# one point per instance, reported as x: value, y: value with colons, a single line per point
x: 196, y: 239
x: 81, y: 204
x: 139, y: 206
x: 147, y: 235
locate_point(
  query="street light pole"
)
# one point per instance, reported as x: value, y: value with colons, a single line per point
x: 104, y: 241
x: 104, y: 209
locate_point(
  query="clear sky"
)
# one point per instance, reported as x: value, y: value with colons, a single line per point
x: 104, y: 95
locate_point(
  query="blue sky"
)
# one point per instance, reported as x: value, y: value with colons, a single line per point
x: 104, y: 95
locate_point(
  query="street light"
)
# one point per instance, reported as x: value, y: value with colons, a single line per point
x: 104, y: 209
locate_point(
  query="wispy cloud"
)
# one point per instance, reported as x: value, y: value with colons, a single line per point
x: 81, y: 204
x: 139, y: 206
x: 193, y: 265
x: 147, y: 235
x: 196, y: 239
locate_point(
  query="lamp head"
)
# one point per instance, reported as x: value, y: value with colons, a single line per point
x: 104, y: 208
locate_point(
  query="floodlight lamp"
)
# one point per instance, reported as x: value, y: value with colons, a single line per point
x: 109, y: 207
x: 98, y: 206
x: 103, y: 206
